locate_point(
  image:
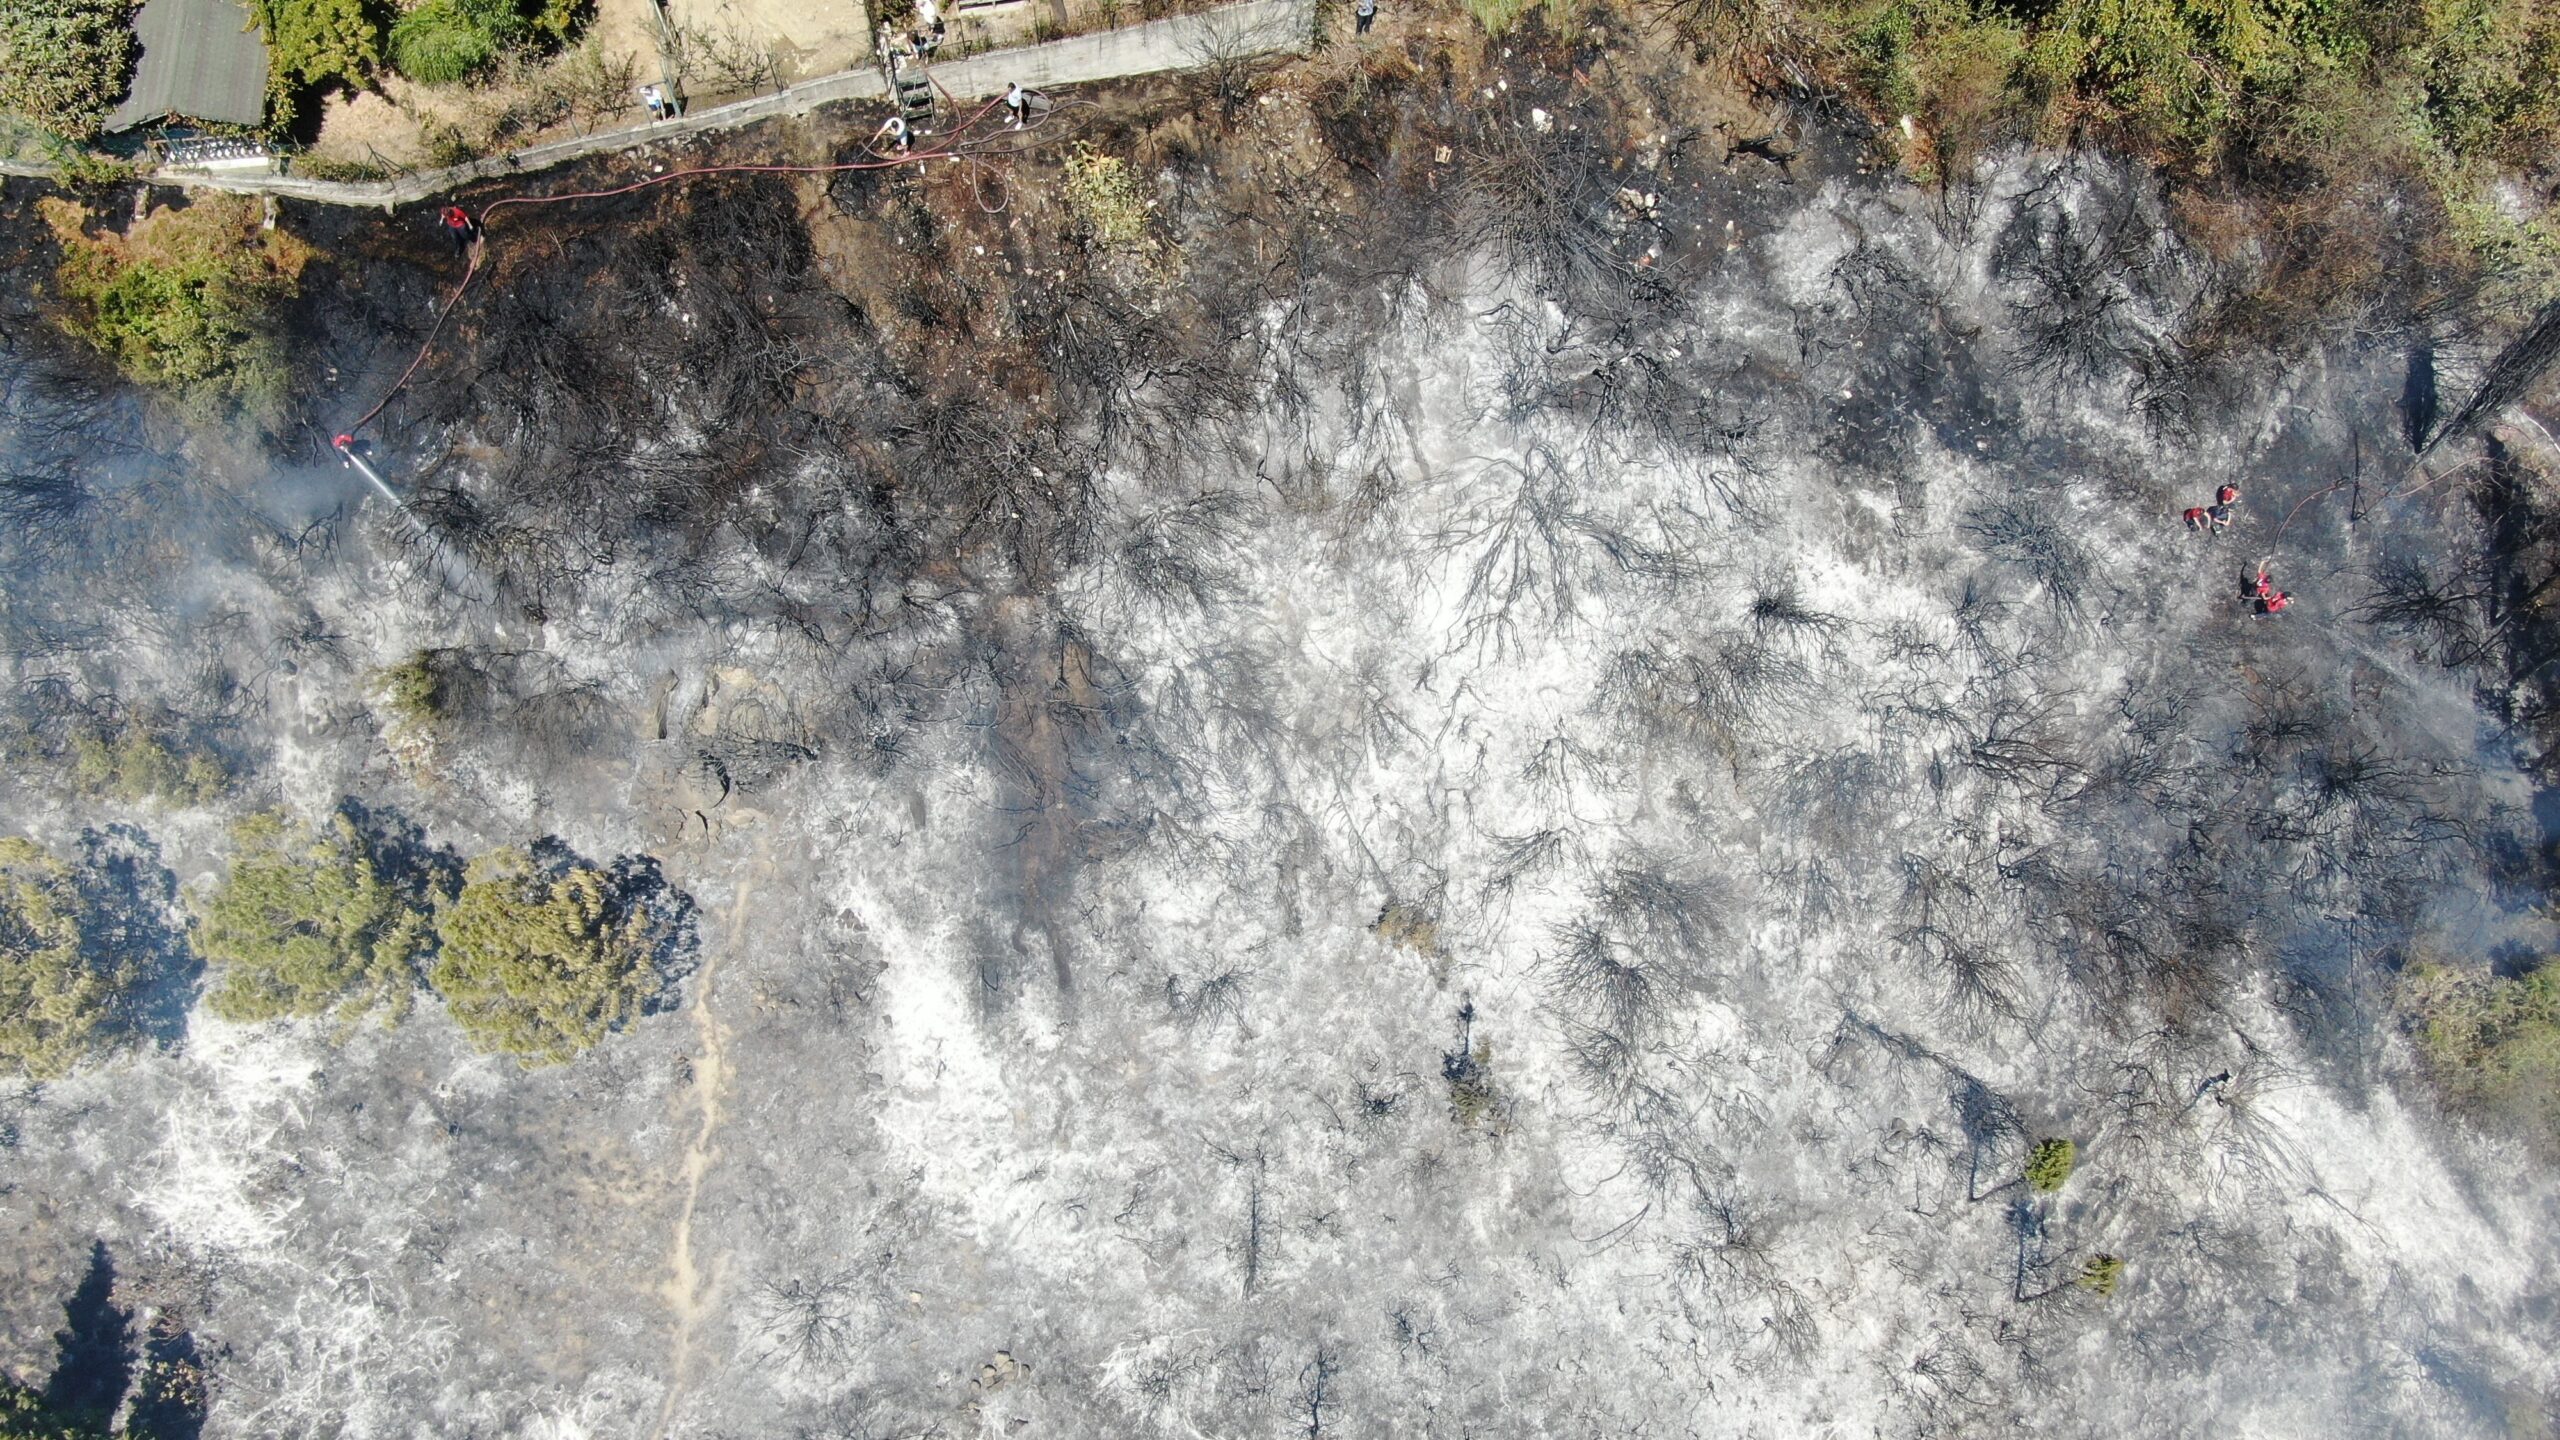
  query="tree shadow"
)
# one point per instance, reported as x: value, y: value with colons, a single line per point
x: 402, y: 856
x: 170, y: 1394
x: 94, y: 1371
x: 93, y: 1351
x: 1987, y: 1119
x: 2418, y: 398
x: 640, y: 886
x: 130, y: 900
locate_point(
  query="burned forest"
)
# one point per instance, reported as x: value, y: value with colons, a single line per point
x: 1460, y: 737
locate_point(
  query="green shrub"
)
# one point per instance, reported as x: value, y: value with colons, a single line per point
x: 1473, y: 1099
x: 2460, y: 94
x: 56, y: 995
x: 316, y: 921
x: 414, y: 692
x: 135, y: 763
x: 80, y: 168
x: 185, y: 300
x: 2490, y: 1044
x: 24, y: 1415
x: 2490, y: 71
x: 1409, y: 925
x: 540, y: 960
x: 1501, y: 17
x: 2524, y: 254
x: 2099, y: 1274
x: 443, y: 42
x: 437, y: 44
x: 65, y: 63
x: 1105, y: 200
x: 2049, y: 1164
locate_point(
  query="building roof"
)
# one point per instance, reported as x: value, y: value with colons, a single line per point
x: 201, y: 59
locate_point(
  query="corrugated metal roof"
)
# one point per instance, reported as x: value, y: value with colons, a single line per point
x: 202, y: 59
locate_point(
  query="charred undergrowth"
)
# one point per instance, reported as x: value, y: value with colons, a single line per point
x: 1485, y: 542
x: 870, y: 414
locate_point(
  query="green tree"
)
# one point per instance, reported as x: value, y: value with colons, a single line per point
x: 65, y: 63
x: 540, y: 960
x: 312, y: 44
x: 2050, y: 1164
x: 56, y: 997
x: 316, y: 921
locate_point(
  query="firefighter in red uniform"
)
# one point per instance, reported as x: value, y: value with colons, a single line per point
x: 460, y: 228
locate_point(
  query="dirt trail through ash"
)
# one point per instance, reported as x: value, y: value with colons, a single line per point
x: 687, y: 1291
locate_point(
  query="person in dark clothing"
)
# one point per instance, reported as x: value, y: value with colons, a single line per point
x: 460, y: 228
x: 2220, y: 515
x: 1363, y: 17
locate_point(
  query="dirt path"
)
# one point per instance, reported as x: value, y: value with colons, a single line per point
x: 627, y: 28
x: 687, y: 1290
x: 804, y: 40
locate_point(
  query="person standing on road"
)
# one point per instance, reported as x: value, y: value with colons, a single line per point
x: 1364, y: 17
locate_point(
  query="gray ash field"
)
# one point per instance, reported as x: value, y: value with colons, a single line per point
x: 1491, y: 779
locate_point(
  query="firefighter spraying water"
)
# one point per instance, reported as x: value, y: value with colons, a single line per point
x: 354, y: 460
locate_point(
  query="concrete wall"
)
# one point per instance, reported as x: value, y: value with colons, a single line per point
x: 1233, y: 32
